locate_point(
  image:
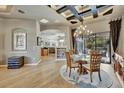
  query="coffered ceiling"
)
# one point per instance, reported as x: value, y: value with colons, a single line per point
x: 80, y: 13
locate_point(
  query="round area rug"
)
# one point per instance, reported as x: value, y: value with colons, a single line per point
x: 83, y: 81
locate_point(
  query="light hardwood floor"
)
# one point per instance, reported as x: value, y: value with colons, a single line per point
x: 44, y: 75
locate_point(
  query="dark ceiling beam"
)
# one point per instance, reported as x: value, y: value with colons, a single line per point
x: 82, y: 13
x: 94, y: 11
x: 73, y: 22
x: 62, y: 9
x: 71, y: 17
x: 75, y: 12
x: 99, y: 6
x: 108, y: 12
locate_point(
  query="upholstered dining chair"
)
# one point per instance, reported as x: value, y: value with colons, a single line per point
x: 70, y: 64
x: 94, y: 66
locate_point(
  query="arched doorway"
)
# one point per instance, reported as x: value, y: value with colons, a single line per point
x: 53, y: 43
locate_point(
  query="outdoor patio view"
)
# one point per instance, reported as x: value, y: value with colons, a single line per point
x: 96, y: 41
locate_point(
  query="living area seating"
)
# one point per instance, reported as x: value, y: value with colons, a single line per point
x: 70, y: 65
x: 94, y: 66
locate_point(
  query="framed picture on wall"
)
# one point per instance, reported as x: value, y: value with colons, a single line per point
x: 39, y: 41
x: 19, y: 40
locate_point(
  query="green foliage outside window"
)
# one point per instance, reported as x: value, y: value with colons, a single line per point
x: 99, y: 41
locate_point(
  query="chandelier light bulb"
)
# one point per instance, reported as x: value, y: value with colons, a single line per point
x: 80, y: 32
x: 85, y: 26
x: 88, y: 31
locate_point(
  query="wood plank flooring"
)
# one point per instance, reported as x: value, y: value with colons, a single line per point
x: 44, y: 75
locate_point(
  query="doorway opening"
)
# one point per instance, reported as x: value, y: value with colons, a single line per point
x: 53, y: 44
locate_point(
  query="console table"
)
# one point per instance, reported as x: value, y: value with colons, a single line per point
x: 44, y: 51
x: 15, y: 62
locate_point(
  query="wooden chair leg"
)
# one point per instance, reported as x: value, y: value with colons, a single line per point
x: 70, y: 72
x: 83, y: 70
x: 99, y: 76
x: 91, y: 75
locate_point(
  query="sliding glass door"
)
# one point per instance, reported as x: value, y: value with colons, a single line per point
x: 101, y: 43
x: 103, y: 46
x: 97, y: 41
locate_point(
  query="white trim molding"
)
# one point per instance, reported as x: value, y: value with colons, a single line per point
x: 3, y: 65
x: 121, y: 82
x: 33, y: 64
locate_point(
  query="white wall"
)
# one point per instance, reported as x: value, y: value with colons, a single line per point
x: 1, y: 41
x: 99, y: 26
x: 32, y: 54
x: 121, y: 40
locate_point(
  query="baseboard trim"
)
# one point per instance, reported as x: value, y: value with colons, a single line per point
x: 3, y: 65
x: 34, y: 64
x: 121, y: 82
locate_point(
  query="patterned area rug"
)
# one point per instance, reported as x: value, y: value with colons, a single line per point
x: 83, y: 81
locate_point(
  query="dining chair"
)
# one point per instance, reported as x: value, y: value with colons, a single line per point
x: 70, y: 64
x: 72, y: 51
x: 94, y: 65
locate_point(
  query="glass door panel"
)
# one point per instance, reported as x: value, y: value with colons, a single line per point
x: 100, y: 42
x: 103, y: 46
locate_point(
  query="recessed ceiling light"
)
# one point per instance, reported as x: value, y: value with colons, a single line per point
x: 44, y: 21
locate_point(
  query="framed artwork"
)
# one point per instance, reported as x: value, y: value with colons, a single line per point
x: 39, y: 41
x: 19, y: 40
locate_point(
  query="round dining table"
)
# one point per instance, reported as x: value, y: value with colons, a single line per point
x: 81, y: 59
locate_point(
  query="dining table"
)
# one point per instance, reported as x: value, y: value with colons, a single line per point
x: 81, y: 59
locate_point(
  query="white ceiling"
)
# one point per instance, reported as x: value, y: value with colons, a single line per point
x: 37, y: 12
